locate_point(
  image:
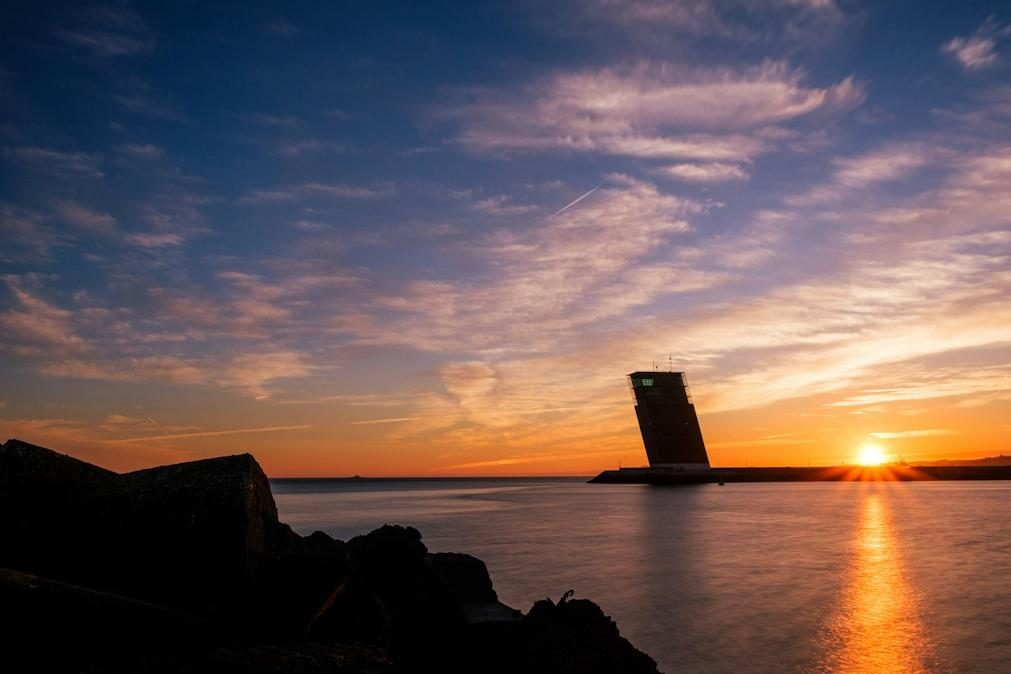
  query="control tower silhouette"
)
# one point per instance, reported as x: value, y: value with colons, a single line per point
x: 667, y: 420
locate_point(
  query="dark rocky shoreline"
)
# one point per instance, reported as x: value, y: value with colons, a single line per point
x: 186, y: 568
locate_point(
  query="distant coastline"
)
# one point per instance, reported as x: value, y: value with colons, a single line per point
x: 1000, y: 460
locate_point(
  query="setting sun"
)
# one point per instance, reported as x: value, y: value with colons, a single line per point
x: 871, y: 455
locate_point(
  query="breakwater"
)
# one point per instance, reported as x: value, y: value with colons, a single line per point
x: 894, y: 473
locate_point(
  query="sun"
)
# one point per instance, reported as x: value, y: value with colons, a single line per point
x: 871, y: 455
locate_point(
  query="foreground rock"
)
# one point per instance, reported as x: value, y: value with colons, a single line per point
x: 197, y: 536
x: 61, y: 627
x: 303, y: 658
x: 186, y: 568
x: 574, y: 636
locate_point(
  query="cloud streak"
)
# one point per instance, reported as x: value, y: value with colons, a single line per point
x: 649, y: 110
x: 207, y: 434
x: 107, y: 31
x: 979, y: 50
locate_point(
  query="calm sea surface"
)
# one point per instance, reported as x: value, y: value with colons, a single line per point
x: 854, y: 577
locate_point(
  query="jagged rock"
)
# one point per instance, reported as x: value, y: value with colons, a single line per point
x: 428, y: 627
x: 468, y: 580
x: 303, y: 584
x: 386, y: 549
x: 575, y: 636
x: 355, y: 614
x: 305, y: 658
x: 466, y: 575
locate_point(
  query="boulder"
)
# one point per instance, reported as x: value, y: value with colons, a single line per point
x: 428, y: 628
x: 387, y: 549
x: 355, y: 614
x: 466, y: 575
x: 468, y: 580
x: 302, y: 584
x: 54, y: 513
x: 574, y: 636
x: 198, y: 535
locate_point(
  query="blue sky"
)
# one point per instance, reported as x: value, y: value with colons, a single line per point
x: 352, y: 227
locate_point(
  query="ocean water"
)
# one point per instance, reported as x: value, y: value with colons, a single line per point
x: 815, y: 577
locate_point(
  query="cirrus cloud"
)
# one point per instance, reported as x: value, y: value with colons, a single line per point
x: 651, y: 110
x: 978, y: 50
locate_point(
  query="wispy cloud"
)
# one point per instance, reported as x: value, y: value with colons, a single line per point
x: 890, y: 163
x: 978, y: 50
x: 27, y: 235
x: 264, y: 119
x: 918, y: 433
x: 711, y: 172
x: 651, y: 110
x: 155, y: 240
x: 738, y: 20
x: 106, y: 31
x: 284, y: 29
x: 206, y: 434
x: 501, y: 205
x: 884, y: 164
x: 252, y: 371
x: 84, y: 218
x: 523, y: 459
x: 56, y: 162
x: 142, y: 151
x: 296, y: 147
x: 320, y: 190
x: 135, y: 95
x: 36, y: 324
x: 572, y: 271
x: 391, y: 420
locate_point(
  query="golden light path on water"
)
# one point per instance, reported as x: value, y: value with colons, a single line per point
x: 877, y: 625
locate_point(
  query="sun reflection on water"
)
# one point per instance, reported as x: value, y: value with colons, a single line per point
x: 877, y: 625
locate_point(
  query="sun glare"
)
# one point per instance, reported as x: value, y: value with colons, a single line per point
x: 871, y: 455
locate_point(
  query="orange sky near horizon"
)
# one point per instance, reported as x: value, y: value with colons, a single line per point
x: 488, y: 432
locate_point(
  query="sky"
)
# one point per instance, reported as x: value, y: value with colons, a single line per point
x: 400, y: 238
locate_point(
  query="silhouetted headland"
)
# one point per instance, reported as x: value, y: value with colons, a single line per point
x: 186, y: 568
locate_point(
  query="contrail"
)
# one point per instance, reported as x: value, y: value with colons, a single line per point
x: 573, y: 203
x: 203, y: 434
x: 153, y: 422
x: 383, y: 421
x: 512, y: 460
